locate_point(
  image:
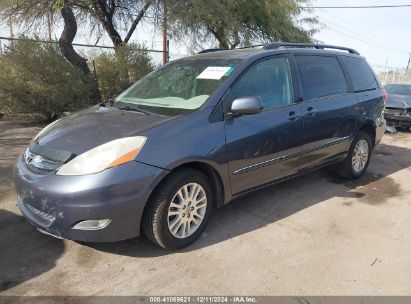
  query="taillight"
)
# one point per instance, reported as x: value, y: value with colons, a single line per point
x: 384, y: 95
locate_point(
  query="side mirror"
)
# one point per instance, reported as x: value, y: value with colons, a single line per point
x: 247, y: 105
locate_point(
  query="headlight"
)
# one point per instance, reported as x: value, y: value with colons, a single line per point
x: 108, y: 155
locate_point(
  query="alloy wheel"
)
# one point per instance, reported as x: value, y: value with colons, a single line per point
x: 360, y: 155
x: 187, y: 210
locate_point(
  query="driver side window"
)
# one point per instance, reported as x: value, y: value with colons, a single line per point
x: 270, y: 79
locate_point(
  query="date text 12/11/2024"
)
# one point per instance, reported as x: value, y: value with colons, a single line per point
x: 203, y: 299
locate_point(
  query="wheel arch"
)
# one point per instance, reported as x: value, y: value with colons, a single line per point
x: 222, y: 191
x: 369, y: 128
x: 213, y: 176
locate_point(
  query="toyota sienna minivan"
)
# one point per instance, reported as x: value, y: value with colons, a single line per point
x: 196, y: 133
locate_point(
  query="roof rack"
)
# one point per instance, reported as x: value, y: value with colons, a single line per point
x: 277, y: 45
x: 211, y: 50
x: 238, y: 48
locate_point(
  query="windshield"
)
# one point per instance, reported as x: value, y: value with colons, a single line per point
x: 398, y: 90
x: 178, y: 87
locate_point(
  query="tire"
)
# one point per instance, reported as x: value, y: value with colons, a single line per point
x: 160, y: 217
x: 354, y: 169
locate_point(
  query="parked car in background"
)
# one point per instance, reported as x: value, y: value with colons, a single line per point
x: 398, y: 107
x: 195, y: 134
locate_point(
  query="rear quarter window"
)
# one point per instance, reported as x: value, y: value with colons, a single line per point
x: 360, y: 74
x: 321, y: 76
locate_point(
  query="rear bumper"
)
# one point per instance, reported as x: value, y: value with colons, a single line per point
x: 54, y: 203
x: 380, y: 130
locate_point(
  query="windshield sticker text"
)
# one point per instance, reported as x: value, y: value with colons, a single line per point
x: 214, y: 73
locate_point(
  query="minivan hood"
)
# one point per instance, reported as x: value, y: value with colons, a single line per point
x: 398, y: 101
x: 90, y: 128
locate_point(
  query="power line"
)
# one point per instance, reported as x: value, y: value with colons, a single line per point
x: 77, y: 44
x: 389, y: 46
x: 353, y: 7
x: 361, y: 37
x: 365, y: 41
x: 355, y: 26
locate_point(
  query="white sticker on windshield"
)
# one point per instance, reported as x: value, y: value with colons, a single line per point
x: 213, y: 72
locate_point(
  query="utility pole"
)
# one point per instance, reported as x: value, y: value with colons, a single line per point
x: 49, y: 24
x: 386, y: 71
x: 11, y: 26
x: 408, y: 66
x: 165, y: 43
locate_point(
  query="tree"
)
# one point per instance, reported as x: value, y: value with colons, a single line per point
x: 113, y: 14
x: 67, y: 37
x: 66, y: 43
x: 234, y: 23
x: 108, y: 69
x: 35, y: 78
x: 34, y: 13
x: 109, y: 15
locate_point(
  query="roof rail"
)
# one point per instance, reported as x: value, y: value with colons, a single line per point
x: 277, y: 45
x: 211, y: 50
x: 250, y: 47
x: 237, y: 48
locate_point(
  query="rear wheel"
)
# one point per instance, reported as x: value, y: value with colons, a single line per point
x: 358, y: 158
x: 178, y: 210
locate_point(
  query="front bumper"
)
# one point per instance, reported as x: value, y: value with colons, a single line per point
x: 54, y: 203
x: 402, y: 121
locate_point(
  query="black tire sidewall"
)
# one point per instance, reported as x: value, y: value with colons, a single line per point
x: 167, y: 239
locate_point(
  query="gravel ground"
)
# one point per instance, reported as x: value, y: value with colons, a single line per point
x: 314, y: 235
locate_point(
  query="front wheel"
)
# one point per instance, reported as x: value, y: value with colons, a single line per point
x: 178, y: 210
x: 358, y: 158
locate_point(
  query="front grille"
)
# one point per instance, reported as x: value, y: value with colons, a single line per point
x: 39, y: 164
x: 39, y: 170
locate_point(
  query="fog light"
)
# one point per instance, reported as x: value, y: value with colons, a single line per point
x: 92, y: 224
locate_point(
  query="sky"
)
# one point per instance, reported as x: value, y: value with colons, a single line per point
x: 382, y: 35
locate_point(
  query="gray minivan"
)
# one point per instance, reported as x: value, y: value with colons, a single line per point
x: 196, y: 133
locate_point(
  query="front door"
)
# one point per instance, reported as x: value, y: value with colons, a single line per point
x: 265, y: 146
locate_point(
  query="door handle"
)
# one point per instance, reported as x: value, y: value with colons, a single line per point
x: 310, y: 111
x: 293, y: 116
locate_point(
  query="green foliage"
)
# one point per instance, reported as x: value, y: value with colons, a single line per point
x: 36, y: 78
x: 108, y: 69
x: 239, y: 22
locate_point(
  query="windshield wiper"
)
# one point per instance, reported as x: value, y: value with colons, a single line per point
x: 129, y: 108
x: 107, y: 103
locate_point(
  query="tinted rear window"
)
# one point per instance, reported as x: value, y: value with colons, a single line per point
x: 360, y: 73
x: 321, y: 76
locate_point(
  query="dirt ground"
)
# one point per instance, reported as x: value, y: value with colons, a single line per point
x: 315, y: 235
